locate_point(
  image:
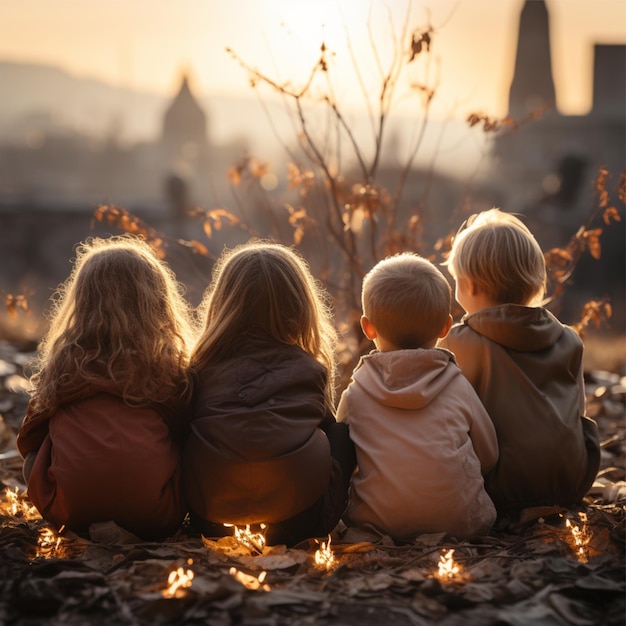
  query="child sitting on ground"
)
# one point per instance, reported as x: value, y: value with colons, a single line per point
x: 524, y: 364
x: 423, y: 440
x: 264, y: 446
x: 106, y: 417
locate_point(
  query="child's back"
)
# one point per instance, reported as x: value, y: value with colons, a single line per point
x: 423, y: 439
x: 100, y: 435
x: 264, y: 442
x: 256, y: 453
x: 420, y: 434
x: 89, y: 468
x: 525, y: 366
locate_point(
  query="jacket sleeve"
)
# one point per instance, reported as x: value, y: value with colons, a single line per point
x: 33, y: 431
x: 483, y: 435
x: 466, y: 345
x: 328, y: 421
x: 177, y: 410
x: 582, y: 399
x: 342, y: 408
x: 592, y: 444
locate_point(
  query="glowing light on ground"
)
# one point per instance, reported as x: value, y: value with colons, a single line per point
x: 324, y: 556
x: 48, y: 543
x: 448, y: 569
x: 249, y: 581
x: 580, y: 537
x: 252, y: 541
x: 16, y: 504
x: 178, y: 580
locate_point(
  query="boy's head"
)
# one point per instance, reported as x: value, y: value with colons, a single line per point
x: 496, y: 256
x: 406, y: 303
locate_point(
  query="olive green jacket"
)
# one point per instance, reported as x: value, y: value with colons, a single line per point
x: 526, y: 368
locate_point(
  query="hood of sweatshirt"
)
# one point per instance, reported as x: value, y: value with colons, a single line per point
x: 521, y: 328
x: 406, y: 379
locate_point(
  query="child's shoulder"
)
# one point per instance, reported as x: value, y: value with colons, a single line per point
x: 520, y: 328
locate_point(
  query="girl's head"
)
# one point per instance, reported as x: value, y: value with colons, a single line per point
x: 265, y: 291
x: 500, y: 257
x: 120, y: 317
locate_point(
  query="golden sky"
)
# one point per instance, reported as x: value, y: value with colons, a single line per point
x: 145, y: 44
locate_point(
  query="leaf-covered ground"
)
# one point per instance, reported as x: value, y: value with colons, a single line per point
x: 549, y: 567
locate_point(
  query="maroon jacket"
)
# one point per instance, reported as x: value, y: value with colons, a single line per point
x: 100, y: 459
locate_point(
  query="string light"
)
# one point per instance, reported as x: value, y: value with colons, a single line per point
x: 17, y: 505
x: 249, y: 581
x: 178, y: 580
x: 447, y: 568
x: 324, y: 556
x: 580, y: 537
x: 252, y: 541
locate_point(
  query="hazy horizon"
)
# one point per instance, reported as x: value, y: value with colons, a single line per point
x: 131, y: 116
x: 144, y: 45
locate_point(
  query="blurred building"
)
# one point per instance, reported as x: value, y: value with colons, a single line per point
x: 547, y: 168
x: 51, y: 183
x: 60, y: 167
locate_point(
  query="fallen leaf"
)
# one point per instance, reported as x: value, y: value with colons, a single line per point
x: 275, y: 561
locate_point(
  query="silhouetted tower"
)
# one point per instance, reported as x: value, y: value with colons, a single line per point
x: 186, y: 153
x: 185, y: 123
x: 532, y: 87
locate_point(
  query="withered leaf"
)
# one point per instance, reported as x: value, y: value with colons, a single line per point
x: 592, y: 237
x: 207, y: 228
x: 275, y: 561
x: 298, y: 235
x: 258, y: 169
x: 234, y: 175
x: 611, y: 213
x: 17, y: 302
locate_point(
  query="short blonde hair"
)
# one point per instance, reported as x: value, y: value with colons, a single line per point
x: 262, y: 290
x: 407, y: 300
x: 497, y: 252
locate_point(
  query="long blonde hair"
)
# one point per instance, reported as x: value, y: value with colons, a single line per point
x: 265, y: 291
x: 119, y: 318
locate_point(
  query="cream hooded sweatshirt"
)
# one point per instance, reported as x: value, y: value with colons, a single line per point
x: 423, y: 442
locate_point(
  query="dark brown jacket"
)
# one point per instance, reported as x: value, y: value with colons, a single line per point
x: 256, y: 450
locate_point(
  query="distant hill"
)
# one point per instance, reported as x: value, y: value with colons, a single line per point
x: 51, y: 98
x: 54, y: 97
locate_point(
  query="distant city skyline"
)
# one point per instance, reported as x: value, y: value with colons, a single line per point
x: 70, y: 136
x: 145, y: 44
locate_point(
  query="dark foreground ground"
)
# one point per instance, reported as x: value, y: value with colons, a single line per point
x: 548, y: 568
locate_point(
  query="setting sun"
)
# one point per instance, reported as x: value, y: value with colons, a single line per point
x: 144, y: 45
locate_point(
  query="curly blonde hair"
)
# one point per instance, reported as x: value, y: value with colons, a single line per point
x: 119, y: 318
x: 263, y: 291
